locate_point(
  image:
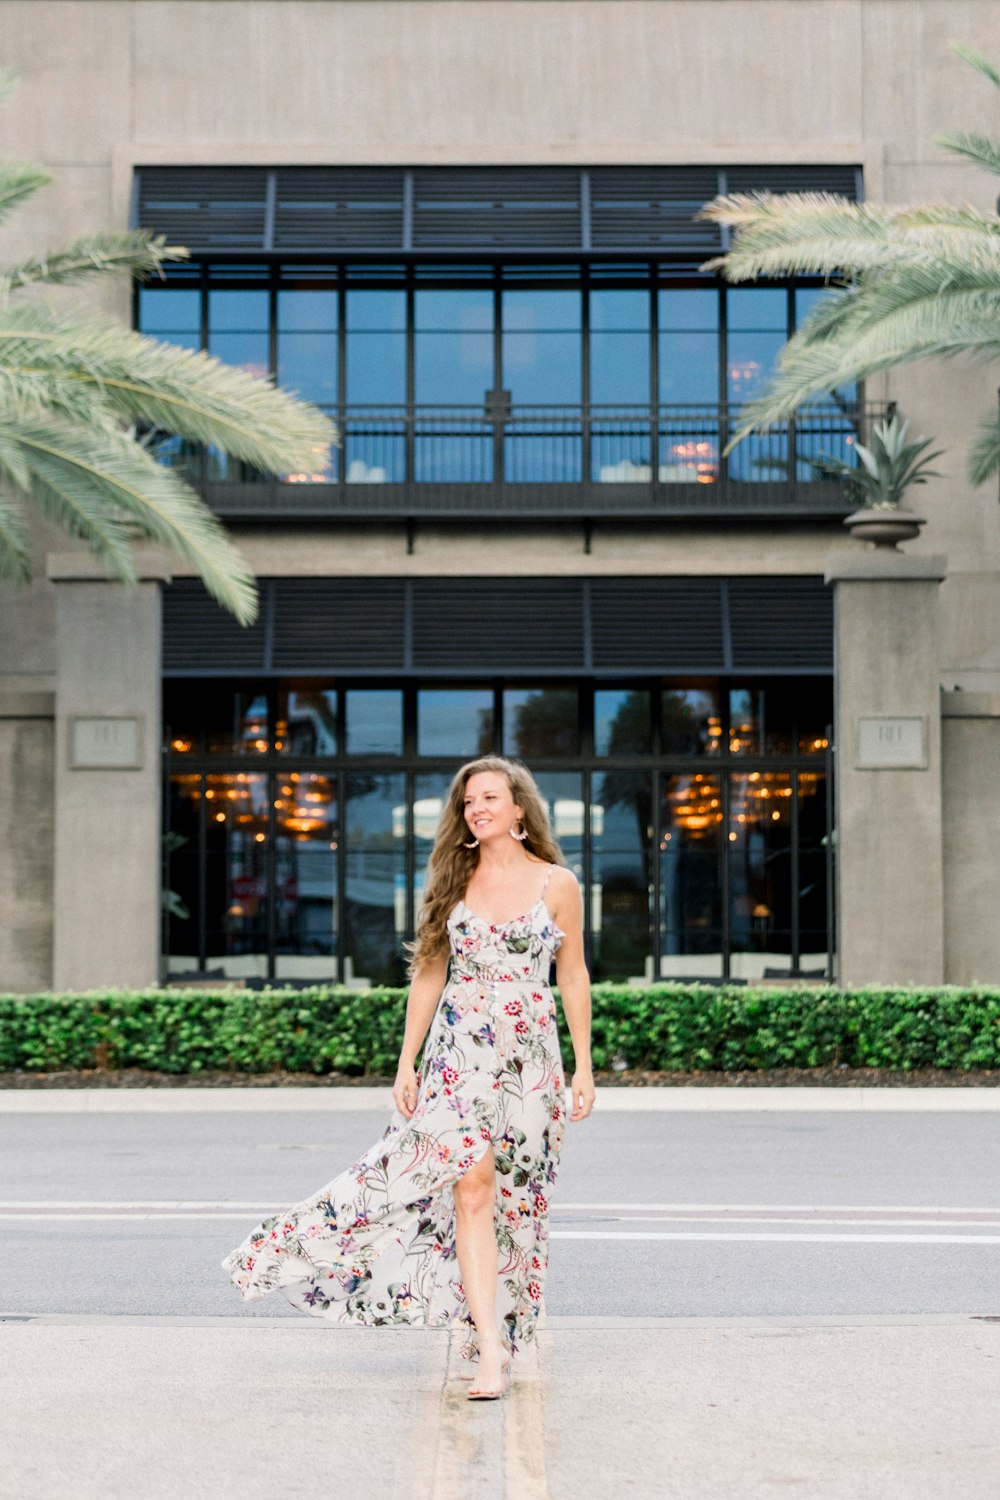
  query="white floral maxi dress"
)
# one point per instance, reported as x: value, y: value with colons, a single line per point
x: 377, y: 1244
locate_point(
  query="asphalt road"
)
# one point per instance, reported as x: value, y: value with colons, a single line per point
x: 739, y: 1304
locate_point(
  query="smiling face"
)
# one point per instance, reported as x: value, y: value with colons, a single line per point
x: 490, y: 808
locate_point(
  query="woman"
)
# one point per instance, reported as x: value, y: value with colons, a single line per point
x: 466, y: 1163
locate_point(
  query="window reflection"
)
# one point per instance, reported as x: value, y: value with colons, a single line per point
x: 305, y: 876
x: 375, y: 895
x: 238, y: 328
x: 307, y: 343
x: 690, y: 721
x: 453, y: 346
x: 238, y: 723
x: 237, y: 877
x: 619, y: 347
x: 307, y: 721
x: 540, y: 722
x: 541, y: 346
x: 813, y: 872
x: 760, y: 874
x: 171, y: 313
x: 430, y: 792
x: 775, y: 717
x: 454, y: 721
x: 691, y: 842
x: 374, y: 721
x: 622, y: 722
x: 181, y: 886
x: 376, y: 347
x: 622, y: 819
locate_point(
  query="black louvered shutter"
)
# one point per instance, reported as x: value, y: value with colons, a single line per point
x: 656, y: 624
x: 198, y: 636
x: 498, y: 624
x: 316, y: 209
x: 652, y: 208
x: 780, y: 623
x: 336, y: 624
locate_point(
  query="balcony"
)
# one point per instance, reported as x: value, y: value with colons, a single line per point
x: 547, y: 463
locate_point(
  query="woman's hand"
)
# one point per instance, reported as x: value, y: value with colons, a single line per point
x: 404, y: 1090
x: 583, y: 1094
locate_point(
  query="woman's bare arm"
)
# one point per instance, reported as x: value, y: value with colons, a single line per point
x: 421, y: 1003
x: 573, y: 980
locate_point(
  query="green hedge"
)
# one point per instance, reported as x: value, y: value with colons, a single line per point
x: 676, y: 1028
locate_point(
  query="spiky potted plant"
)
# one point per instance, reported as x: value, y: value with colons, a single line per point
x: 887, y: 467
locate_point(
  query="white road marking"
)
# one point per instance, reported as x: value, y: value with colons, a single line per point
x: 816, y: 1239
x: 874, y: 1234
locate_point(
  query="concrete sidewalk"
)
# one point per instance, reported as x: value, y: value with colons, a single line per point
x: 245, y: 1409
x: 705, y: 1099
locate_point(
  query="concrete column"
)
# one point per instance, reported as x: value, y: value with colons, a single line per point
x: 890, y: 899
x: 107, y: 778
x: 970, y: 744
x: 26, y: 771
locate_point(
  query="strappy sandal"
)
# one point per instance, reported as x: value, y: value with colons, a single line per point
x: 493, y: 1395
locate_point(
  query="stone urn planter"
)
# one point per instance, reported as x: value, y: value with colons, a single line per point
x: 885, y: 526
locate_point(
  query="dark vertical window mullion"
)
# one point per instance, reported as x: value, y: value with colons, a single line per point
x: 411, y: 379
x: 790, y: 478
x: 723, y: 379
x: 796, y: 934
x: 654, y: 380
x: 272, y: 319
x: 655, y: 937
x: 409, y: 856
x: 202, y: 896
x: 499, y: 405
x: 201, y: 459
x: 725, y: 874
x: 342, y: 374
x: 164, y: 855
x: 340, y: 778
x: 588, y: 871
x: 271, y: 864
x: 587, y: 434
x: 831, y: 855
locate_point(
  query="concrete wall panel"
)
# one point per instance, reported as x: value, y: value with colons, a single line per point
x: 26, y: 836
x: 971, y: 817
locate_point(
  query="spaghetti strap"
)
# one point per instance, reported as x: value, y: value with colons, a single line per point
x: 546, y: 881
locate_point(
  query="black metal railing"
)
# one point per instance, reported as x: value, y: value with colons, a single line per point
x: 423, y: 459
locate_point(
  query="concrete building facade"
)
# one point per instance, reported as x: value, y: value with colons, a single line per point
x: 466, y: 226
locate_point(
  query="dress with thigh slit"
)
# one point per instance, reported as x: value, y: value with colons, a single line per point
x: 377, y: 1244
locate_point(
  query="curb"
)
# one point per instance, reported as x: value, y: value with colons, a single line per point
x: 705, y: 1100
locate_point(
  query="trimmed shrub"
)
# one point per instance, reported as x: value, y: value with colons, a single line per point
x: 671, y: 1027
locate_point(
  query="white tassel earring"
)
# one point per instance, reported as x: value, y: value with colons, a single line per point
x: 519, y: 836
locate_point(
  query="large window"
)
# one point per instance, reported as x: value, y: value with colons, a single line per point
x: 548, y: 374
x: 301, y: 814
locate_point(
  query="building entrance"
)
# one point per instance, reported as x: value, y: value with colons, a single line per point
x: 300, y: 813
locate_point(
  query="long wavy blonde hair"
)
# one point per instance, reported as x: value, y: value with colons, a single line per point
x: 451, y: 865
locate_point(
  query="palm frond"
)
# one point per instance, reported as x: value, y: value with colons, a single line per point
x: 984, y: 452
x: 71, y: 505
x: 819, y: 234
x: 957, y: 216
x: 183, y: 391
x: 136, y: 251
x: 108, y: 474
x: 18, y: 181
x: 976, y: 60
x: 978, y: 148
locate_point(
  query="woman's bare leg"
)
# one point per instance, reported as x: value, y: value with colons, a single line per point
x: 476, y: 1244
